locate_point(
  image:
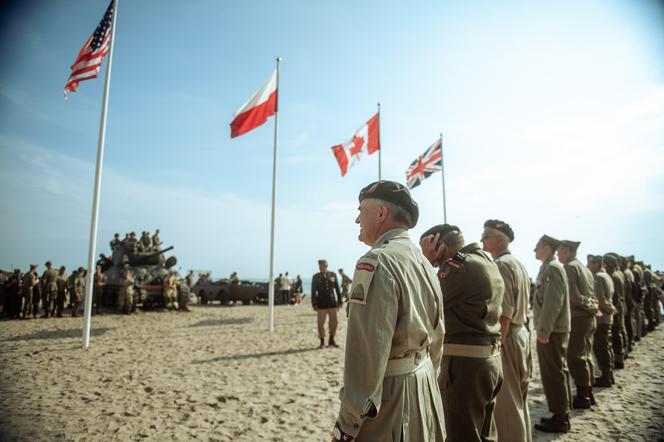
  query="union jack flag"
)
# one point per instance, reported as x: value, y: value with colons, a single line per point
x: 92, y: 53
x: 426, y: 164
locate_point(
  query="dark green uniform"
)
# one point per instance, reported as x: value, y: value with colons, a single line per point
x: 551, y: 313
x: 471, y: 370
x: 61, y: 298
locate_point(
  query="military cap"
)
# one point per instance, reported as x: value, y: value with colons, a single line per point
x: 551, y: 241
x: 571, y: 245
x: 501, y: 226
x: 322, y: 261
x: 33, y: 266
x: 392, y: 192
x: 611, y: 259
x: 17, y: 270
x: 63, y: 268
x: 81, y: 269
x: 48, y: 263
x: 630, y: 258
x: 596, y: 259
x: 442, y: 229
x: 132, y: 234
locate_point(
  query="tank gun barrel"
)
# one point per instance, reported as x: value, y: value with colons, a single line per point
x: 160, y: 252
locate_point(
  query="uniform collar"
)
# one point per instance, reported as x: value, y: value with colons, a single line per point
x: 549, y: 259
x: 390, y: 235
x: 504, y: 252
x: 473, y: 246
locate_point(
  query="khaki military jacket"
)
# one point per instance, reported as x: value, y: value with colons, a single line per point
x: 618, y: 290
x: 395, y: 311
x: 517, y: 288
x: 61, y: 282
x: 472, y: 295
x: 581, y: 289
x: 551, y: 300
x: 630, y: 287
x: 604, y: 292
x: 29, y: 281
x: 48, y: 280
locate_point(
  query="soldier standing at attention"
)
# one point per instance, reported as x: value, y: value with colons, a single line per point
x: 30, y: 280
x: 125, y: 293
x: 471, y: 372
x: 602, y: 339
x: 552, y: 322
x: 323, y: 286
x: 511, y: 412
x: 79, y: 290
x: 170, y: 291
x: 49, y: 289
x: 583, y: 308
x: 618, y: 332
x: 639, y: 292
x: 60, y: 299
x: 98, y: 289
x: 395, y: 329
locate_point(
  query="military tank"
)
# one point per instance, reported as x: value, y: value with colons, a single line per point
x: 148, y: 269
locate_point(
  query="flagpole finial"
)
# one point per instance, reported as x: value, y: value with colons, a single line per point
x: 279, y: 59
x: 379, y: 104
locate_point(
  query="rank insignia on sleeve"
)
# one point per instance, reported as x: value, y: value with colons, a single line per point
x: 366, y: 266
x: 358, y: 295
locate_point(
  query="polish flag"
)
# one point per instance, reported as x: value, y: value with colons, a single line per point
x: 257, y: 110
x: 366, y: 139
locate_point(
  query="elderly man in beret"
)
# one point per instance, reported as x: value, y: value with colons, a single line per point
x: 551, y: 315
x: 618, y: 333
x: 583, y: 308
x: 602, y: 339
x: 511, y: 413
x: 395, y: 329
x: 471, y: 371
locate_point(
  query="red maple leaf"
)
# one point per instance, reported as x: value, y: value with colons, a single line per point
x: 356, y: 145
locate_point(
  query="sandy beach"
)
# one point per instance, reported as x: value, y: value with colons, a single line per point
x: 216, y: 374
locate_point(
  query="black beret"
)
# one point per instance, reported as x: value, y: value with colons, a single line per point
x: 392, y: 192
x: 322, y: 261
x: 596, y: 259
x: 501, y: 226
x: 553, y: 242
x: 571, y: 245
x: 442, y: 229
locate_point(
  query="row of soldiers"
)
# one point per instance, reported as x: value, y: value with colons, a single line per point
x: 22, y: 296
x: 132, y: 244
x: 438, y: 339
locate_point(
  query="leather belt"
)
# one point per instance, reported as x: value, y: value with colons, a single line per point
x: 471, y: 351
x: 409, y: 364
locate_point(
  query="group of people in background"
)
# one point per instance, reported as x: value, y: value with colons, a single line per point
x: 438, y: 339
x: 288, y: 291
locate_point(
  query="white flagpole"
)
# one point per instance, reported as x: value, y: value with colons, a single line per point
x: 380, y: 147
x: 87, y: 315
x: 274, y: 190
x: 442, y: 173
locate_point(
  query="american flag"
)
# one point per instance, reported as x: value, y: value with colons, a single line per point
x: 426, y: 164
x: 91, y: 55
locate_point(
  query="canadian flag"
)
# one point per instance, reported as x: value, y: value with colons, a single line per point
x: 257, y: 110
x: 365, y: 139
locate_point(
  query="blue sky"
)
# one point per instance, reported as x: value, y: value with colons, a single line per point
x: 552, y: 115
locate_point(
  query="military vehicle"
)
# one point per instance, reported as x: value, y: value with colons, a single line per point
x: 226, y: 293
x: 149, y: 269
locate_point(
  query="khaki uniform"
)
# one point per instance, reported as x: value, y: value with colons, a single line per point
x: 77, y: 295
x: 630, y: 322
x: 511, y: 413
x: 602, y: 340
x: 126, y: 294
x: 49, y: 290
x: 551, y: 314
x: 29, y: 282
x: 639, y: 295
x: 393, y: 346
x: 60, y: 300
x: 583, y: 307
x: 618, y: 333
x: 170, y: 292
x: 471, y: 371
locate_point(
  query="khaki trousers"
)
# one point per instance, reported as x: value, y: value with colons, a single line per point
x: 469, y: 387
x: 579, y: 352
x: 511, y: 413
x: 555, y: 375
x: 602, y: 348
x: 322, y: 314
x: 617, y: 335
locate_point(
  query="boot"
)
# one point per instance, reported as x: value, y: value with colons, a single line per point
x: 613, y: 380
x: 603, y: 381
x: 556, y: 424
x: 593, y: 402
x: 332, y: 343
x: 582, y: 398
x: 619, y: 364
x: 322, y: 343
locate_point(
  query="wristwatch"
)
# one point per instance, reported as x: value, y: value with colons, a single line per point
x: 339, y: 435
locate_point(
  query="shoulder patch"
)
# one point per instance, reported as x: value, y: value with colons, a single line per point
x: 364, y: 272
